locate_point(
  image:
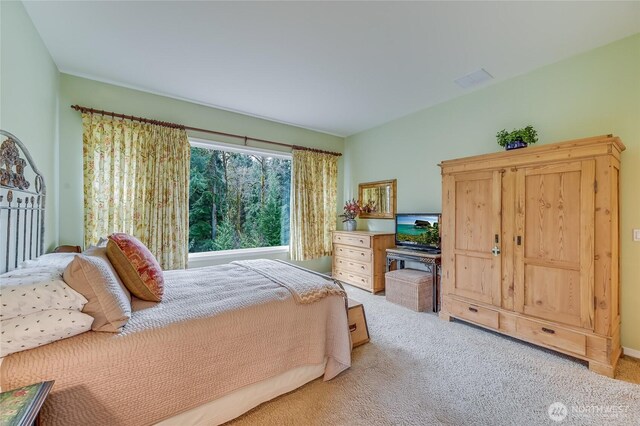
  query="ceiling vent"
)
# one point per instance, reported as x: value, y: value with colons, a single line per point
x: 474, y: 79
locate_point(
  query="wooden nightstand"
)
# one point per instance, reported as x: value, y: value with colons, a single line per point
x: 357, y: 323
x: 20, y: 407
x: 68, y: 249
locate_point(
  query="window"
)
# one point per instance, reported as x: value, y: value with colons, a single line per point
x: 238, y: 198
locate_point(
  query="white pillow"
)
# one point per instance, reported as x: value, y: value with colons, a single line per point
x: 37, y: 329
x: 52, y: 260
x: 30, y: 276
x: 34, y: 292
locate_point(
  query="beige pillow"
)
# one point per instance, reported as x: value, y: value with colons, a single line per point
x: 101, y: 252
x: 107, y: 302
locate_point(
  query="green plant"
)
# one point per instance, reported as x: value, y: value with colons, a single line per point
x: 527, y: 135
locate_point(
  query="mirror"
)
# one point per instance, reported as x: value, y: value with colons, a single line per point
x: 378, y: 199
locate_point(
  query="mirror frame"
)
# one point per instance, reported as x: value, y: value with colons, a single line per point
x: 392, y: 203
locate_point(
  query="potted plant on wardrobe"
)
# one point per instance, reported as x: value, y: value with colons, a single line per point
x: 517, y: 138
x: 351, y: 210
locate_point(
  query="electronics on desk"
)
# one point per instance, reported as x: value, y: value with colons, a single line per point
x: 418, y: 231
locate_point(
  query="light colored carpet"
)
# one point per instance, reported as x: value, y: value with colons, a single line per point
x: 419, y: 370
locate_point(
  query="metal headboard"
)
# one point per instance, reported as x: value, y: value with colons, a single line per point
x: 22, y: 202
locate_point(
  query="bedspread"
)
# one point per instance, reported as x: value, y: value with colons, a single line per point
x: 304, y: 286
x: 217, y: 329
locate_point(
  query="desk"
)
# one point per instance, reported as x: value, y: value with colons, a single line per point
x: 430, y: 261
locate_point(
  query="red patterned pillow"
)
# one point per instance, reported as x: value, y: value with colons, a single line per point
x: 137, y: 267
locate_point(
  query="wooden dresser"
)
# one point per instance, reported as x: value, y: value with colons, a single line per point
x: 530, y: 246
x: 359, y: 258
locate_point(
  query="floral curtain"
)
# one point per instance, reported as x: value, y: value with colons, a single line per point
x: 136, y: 180
x: 313, y: 204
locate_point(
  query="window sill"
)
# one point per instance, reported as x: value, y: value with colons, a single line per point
x: 239, y: 253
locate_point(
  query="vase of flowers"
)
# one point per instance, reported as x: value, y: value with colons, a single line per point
x: 351, y: 210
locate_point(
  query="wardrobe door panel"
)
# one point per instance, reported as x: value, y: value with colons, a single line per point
x: 552, y: 293
x: 474, y: 277
x: 552, y: 220
x: 554, y: 242
x: 474, y: 208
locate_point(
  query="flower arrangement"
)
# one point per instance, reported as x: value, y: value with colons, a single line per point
x: 370, y: 207
x: 351, y: 210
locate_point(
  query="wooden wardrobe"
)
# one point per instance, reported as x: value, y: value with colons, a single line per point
x: 530, y: 246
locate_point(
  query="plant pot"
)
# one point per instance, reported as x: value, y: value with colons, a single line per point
x: 349, y: 225
x: 515, y: 145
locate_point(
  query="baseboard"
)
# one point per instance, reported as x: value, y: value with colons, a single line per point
x: 631, y: 352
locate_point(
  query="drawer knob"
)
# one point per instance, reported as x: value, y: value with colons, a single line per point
x: 362, y: 241
x: 472, y: 309
x: 548, y: 330
x: 353, y: 327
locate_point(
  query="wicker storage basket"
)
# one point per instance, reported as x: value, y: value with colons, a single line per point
x: 410, y: 288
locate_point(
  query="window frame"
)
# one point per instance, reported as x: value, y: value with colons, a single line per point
x: 241, y: 149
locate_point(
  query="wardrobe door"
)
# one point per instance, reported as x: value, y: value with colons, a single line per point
x: 554, y: 247
x: 471, y: 236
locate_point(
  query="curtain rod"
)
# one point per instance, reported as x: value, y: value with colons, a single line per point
x: 196, y: 129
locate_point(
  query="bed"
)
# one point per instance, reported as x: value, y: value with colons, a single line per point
x: 223, y: 340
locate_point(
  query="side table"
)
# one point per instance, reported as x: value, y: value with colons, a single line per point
x: 20, y: 407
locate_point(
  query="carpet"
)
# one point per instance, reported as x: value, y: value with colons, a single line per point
x: 420, y: 370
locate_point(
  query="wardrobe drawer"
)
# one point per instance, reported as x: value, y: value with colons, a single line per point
x: 363, y: 255
x: 552, y: 336
x: 474, y: 313
x: 352, y: 240
x: 347, y: 264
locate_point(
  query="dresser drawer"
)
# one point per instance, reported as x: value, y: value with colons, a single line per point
x: 340, y: 274
x: 362, y: 255
x: 354, y: 279
x: 352, y: 240
x: 551, y: 336
x: 474, y: 313
x: 346, y: 264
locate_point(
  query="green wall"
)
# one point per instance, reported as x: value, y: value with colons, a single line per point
x: 28, y: 106
x: 81, y: 91
x: 590, y: 94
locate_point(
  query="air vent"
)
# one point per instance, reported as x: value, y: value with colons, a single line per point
x: 474, y: 79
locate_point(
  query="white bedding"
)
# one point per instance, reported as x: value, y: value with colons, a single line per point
x: 38, y: 307
x: 40, y: 328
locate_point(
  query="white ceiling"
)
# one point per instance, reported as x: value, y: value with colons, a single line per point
x: 337, y: 67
